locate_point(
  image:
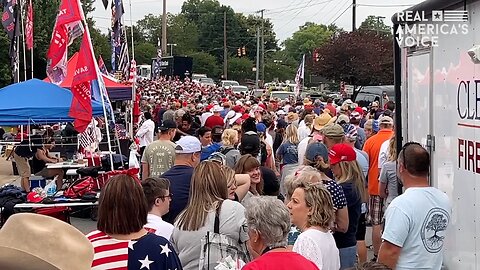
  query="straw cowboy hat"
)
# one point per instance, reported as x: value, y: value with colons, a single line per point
x: 33, y: 241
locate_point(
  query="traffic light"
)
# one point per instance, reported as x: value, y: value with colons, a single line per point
x: 239, y: 52
x: 244, y: 51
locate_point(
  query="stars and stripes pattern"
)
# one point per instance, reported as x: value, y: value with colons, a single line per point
x: 133, y: 71
x: 149, y: 252
x: 86, y: 138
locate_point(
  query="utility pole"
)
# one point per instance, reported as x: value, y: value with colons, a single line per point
x: 263, y: 49
x: 354, y: 15
x: 225, y: 60
x: 257, y: 67
x: 164, y: 27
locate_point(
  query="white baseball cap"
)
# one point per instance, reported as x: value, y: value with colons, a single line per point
x: 217, y: 108
x: 188, y: 145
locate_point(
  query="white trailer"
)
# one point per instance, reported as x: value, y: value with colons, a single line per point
x: 437, y: 85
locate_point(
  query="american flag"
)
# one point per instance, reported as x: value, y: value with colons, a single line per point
x: 299, y: 77
x: 87, y: 137
x: 149, y: 252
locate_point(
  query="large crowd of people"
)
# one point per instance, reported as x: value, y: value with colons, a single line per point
x: 287, y: 184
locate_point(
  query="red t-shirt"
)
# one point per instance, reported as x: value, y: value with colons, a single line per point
x: 214, y: 120
x: 280, y: 261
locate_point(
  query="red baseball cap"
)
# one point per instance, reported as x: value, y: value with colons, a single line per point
x: 359, y: 110
x: 237, y: 108
x: 34, y: 197
x: 341, y: 152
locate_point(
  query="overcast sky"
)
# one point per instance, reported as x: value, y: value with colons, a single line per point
x: 286, y: 15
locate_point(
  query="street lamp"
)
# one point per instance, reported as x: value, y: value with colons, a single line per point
x: 171, y: 45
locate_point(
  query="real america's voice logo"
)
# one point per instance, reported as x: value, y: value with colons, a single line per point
x: 418, y: 29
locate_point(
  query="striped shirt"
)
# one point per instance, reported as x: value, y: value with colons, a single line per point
x: 150, y: 252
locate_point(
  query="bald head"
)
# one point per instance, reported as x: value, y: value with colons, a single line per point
x: 416, y: 160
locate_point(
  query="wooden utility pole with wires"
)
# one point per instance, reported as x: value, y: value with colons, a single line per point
x: 225, y: 50
x: 263, y: 47
x: 164, y: 27
x: 354, y: 15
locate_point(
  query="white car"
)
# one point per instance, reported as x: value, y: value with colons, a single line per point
x: 238, y: 89
x: 206, y: 82
x: 282, y: 95
x: 228, y: 84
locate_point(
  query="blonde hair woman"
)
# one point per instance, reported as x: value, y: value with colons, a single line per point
x: 208, y: 193
x: 288, y: 154
x: 229, y: 140
x: 311, y: 210
x: 388, y: 185
x: 344, y: 165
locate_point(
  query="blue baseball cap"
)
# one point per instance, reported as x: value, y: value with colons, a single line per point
x: 316, y: 149
x: 261, y: 127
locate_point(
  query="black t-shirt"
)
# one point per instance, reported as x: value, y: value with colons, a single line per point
x: 354, y: 203
x: 28, y: 148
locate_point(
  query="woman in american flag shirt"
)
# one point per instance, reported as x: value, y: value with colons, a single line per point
x: 121, y: 242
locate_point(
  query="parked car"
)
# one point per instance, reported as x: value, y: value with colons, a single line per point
x: 228, y: 84
x: 239, y: 89
x: 282, y: 95
x: 368, y: 94
x: 206, y: 82
x: 196, y: 77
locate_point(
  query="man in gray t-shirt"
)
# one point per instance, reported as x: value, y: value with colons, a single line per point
x: 159, y: 156
x: 388, y: 182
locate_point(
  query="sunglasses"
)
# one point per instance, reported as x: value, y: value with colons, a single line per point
x: 404, y: 149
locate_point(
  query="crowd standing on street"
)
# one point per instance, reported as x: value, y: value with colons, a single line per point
x: 287, y: 184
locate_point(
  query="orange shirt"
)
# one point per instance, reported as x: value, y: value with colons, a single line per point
x: 372, y: 148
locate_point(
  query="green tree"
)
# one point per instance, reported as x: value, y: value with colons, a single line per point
x: 150, y: 28
x: 240, y: 69
x: 307, y: 38
x: 205, y: 63
x: 376, y: 24
x: 5, y: 70
x: 183, y: 33
x: 358, y: 58
x: 144, y: 52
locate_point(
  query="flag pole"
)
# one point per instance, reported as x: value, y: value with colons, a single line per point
x: 97, y: 70
x: 23, y: 40
x: 134, y: 79
x: 31, y: 49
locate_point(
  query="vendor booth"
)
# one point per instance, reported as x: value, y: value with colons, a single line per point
x: 37, y: 102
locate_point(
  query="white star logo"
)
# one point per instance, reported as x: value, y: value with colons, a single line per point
x: 145, y: 263
x: 131, y: 243
x: 165, y: 249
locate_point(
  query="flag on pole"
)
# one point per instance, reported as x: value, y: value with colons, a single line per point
x: 29, y: 26
x: 299, y: 77
x: 133, y: 71
x: 9, y: 21
x: 101, y: 66
x: 120, y: 61
x: 9, y: 18
x: 68, y: 26
x: 157, y: 65
x: 85, y: 73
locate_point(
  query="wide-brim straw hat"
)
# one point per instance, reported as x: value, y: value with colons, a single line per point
x: 33, y: 241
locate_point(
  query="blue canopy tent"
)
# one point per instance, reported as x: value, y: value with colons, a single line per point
x: 37, y: 102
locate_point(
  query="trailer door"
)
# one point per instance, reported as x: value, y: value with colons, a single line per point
x: 417, y: 97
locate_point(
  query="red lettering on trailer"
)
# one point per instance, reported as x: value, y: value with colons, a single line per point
x: 469, y: 155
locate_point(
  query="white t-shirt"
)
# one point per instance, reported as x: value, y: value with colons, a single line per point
x: 383, y: 154
x: 204, y: 117
x: 156, y: 225
x: 303, y: 132
x: 145, y: 132
x: 417, y: 222
x: 319, y: 247
x: 302, y: 148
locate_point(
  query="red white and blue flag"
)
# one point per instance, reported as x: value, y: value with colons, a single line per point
x: 299, y: 77
x: 149, y: 252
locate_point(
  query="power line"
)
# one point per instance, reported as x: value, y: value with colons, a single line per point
x: 297, y: 8
x: 341, y: 14
x: 339, y: 4
x: 392, y: 5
